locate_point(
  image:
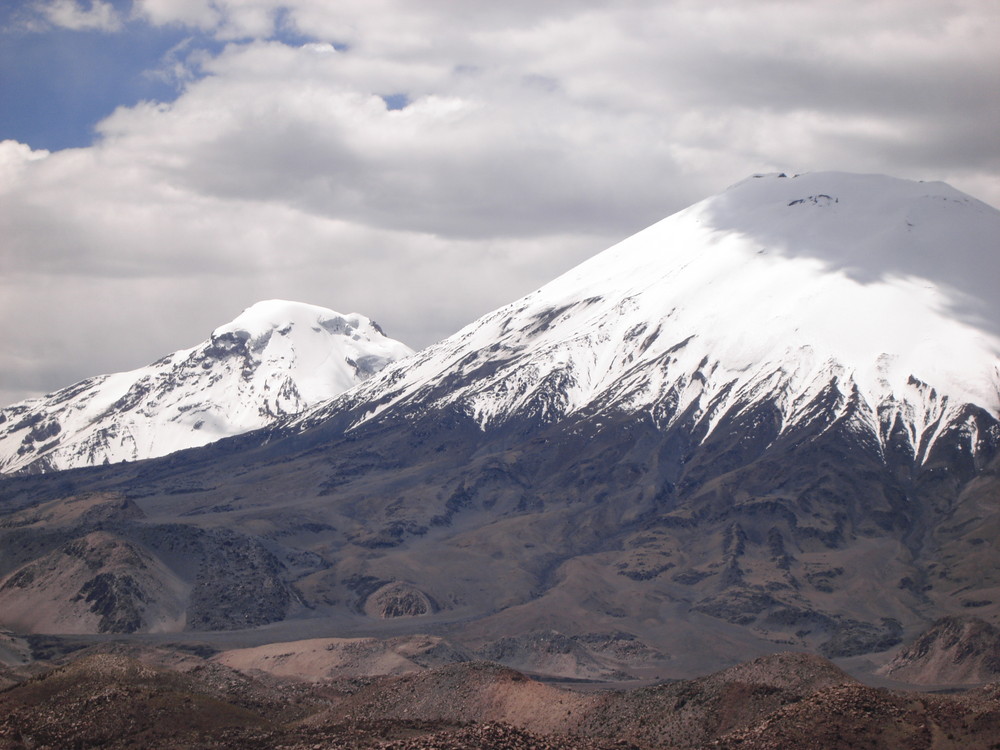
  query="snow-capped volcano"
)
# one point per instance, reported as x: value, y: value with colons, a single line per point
x: 829, y: 296
x: 710, y: 434
x: 274, y: 360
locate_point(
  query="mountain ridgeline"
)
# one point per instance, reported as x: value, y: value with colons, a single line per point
x: 769, y: 421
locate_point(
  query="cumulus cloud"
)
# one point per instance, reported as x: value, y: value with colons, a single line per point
x: 424, y: 162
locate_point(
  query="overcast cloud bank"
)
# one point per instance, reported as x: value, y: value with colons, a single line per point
x: 422, y: 163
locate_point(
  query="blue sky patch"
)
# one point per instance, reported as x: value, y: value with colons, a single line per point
x: 57, y: 84
x: 395, y: 101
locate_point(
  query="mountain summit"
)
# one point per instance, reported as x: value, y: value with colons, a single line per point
x: 275, y: 359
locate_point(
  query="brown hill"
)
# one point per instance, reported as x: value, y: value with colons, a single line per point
x: 113, y: 701
x: 678, y: 714
x: 95, y: 583
x: 784, y: 701
x: 855, y: 716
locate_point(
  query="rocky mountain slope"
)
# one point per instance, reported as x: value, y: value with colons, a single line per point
x: 275, y: 359
x: 691, y: 450
x: 954, y: 650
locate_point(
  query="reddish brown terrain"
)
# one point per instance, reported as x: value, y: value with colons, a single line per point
x: 132, y: 697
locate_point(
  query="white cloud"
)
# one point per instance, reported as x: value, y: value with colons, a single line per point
x: 71, y: 14
x: 225, y: 19
x: 198, y: 14
x: 535, y: 134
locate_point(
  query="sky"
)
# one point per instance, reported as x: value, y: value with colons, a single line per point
x: 164, y: 164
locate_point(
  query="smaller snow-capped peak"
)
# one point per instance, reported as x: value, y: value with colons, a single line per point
x: 328, y: 351
x: 274, y: 360
x: 277, y: 314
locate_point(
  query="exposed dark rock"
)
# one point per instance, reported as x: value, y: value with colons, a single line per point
x: 398, y: 599
x: 853, y: 637
x: 117, y: 599
x: 239, y: 584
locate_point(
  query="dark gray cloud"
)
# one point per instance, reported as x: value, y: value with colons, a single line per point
x: 533, y: 134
